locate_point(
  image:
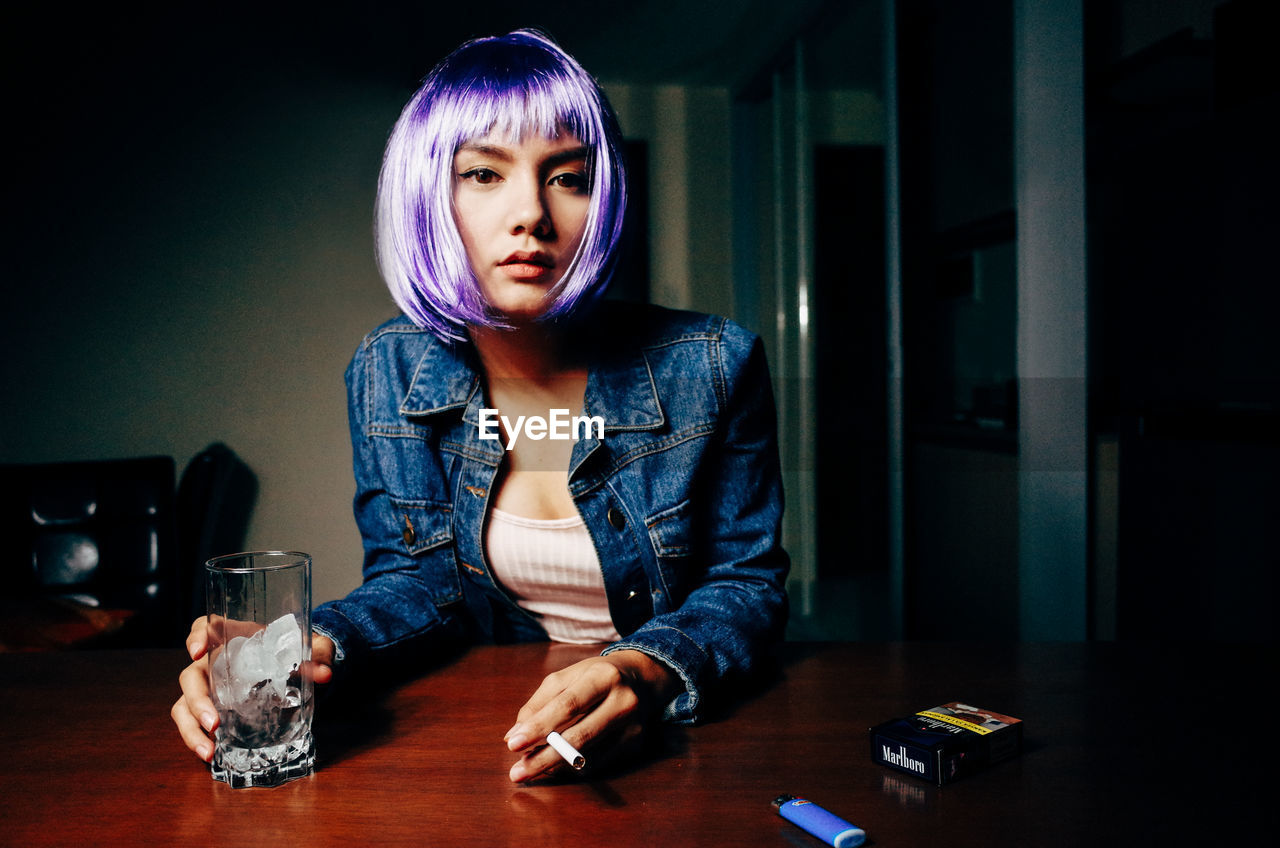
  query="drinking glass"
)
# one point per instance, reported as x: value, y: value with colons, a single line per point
x: 259, y: 606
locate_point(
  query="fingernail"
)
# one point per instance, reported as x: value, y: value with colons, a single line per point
x: 207, y: 720
x: 513, y: 729
x: 517, y: 737
x: 205, y: 751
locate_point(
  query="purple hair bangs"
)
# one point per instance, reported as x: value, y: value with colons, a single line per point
x: 514, y: 85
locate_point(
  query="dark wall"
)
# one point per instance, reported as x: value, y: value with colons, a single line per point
x: 1184, y: 362
x: 1183, y: 177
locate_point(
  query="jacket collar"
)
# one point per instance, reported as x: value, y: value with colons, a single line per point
x: 444, y: 380
x: 623, y: 393
x: 621, y: 389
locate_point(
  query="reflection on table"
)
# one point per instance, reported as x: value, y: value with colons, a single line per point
x: 1124, y: 744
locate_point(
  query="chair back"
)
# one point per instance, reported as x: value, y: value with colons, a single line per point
x: 215, y: 499
x: 98, y: 534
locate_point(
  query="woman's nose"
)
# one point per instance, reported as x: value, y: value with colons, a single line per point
x: 528, y: 211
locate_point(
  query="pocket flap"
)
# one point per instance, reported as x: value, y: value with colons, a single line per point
x: 422, y: 525
x: 669, y: 530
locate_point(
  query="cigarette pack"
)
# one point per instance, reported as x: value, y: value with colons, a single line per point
x: 947, y: 742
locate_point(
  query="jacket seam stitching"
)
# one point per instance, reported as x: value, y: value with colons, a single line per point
x: 675, y: 440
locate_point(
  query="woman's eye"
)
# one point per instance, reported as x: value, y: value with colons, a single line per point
x: 483, y: 176
x: 571, y: 180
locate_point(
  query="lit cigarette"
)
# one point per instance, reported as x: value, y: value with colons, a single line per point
x: 564, y: 749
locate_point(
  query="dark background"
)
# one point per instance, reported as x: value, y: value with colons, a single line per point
x: 189, y: 254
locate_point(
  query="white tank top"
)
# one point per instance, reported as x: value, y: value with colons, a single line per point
x: 550, y: 568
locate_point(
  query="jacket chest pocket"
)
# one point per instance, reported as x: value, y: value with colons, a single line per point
x: 425, y: 531
x: 671, y: 535
x: 669, y: 531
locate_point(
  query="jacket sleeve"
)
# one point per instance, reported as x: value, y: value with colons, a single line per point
x: 406, y: 607
x: 737, y: 609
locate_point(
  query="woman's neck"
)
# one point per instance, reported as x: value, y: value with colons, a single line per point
x: 529, y: 352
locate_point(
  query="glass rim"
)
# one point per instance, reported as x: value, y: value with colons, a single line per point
x: 217, y: 564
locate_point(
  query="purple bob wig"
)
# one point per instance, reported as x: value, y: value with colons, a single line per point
x: 514, y: 85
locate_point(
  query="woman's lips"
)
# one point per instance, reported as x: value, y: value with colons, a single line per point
x: 526, y: 266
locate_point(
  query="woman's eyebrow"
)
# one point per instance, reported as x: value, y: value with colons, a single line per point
x: 498, y: 152
x: 487, y: 150
x: 569, y: 155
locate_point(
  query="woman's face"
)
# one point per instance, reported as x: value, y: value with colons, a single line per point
x: 521, y: 209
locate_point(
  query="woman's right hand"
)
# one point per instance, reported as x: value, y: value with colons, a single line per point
x: 194, y: 713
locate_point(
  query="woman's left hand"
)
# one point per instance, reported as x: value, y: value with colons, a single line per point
x: 600, y: 705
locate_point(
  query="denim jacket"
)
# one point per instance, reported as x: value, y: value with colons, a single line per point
x: 682, y: 497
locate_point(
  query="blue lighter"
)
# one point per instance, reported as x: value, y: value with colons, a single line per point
x: 828, y: 827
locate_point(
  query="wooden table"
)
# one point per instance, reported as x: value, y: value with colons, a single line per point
x: 1125, y: 745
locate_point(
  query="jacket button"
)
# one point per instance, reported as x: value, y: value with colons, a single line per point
x: 408, y: 534
x: 616, y: 518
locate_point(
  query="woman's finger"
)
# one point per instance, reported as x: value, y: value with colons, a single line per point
x: 579, y: 693
x: 553, y: 684
x: 319, y: 669
x: 194, y: 681
x: 198, y: 638
x: 193, y: 735
x: 612, y: 726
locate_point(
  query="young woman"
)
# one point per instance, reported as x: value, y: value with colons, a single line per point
x: 530, y: 462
